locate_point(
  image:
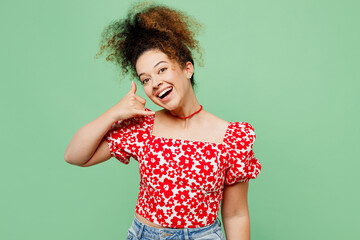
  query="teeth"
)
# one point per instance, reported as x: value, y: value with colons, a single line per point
x: 163, y: 92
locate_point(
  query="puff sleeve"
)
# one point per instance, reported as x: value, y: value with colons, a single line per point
x: 123, y: 139
x: 240, y: 155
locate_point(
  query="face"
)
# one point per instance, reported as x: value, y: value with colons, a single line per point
x: 163, y: 80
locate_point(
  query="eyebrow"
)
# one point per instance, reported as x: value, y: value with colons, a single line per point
x: 154, y: 66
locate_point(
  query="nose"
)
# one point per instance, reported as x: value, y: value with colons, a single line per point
x: 156, y: 82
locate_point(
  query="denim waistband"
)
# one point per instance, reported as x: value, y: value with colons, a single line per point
x: 140, y: 229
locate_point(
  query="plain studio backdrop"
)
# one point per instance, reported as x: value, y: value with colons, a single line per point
x: 289, y: 68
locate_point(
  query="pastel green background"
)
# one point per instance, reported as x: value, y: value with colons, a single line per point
x: 290, y: 68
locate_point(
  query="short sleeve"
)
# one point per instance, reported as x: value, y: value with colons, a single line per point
x: 124, y: 138
x: 243, y: 164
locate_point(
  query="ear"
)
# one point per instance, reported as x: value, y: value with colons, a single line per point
x: 189, y: 69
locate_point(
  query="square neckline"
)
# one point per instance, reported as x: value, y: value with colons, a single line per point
x: 188, y: 140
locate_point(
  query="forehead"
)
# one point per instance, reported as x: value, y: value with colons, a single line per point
x: 149, y: 59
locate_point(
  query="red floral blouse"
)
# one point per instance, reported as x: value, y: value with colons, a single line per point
x: 182, y: 181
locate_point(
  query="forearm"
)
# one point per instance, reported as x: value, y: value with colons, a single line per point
x: 237, y: 227
x: 87, y: 139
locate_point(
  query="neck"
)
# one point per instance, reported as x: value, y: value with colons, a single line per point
x: 201, y: 107
x: 186, y: 109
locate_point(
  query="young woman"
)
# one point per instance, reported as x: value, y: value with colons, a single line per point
x: 190, y: 161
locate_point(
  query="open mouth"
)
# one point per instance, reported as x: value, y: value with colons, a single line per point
x: 164, y: 93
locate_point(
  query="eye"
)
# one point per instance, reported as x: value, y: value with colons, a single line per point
x: 145, y: 80
x: 162, y: 69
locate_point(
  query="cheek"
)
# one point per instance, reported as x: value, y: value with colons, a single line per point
x: 148, y: 92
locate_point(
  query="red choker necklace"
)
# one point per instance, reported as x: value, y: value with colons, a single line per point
x: 189, y: 115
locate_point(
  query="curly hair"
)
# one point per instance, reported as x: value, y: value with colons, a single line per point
x: 151, y: 26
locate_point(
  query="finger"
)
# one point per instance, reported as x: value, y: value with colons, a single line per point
x: 140, y: 99
x: 143, y: 112
x: 133, y: 88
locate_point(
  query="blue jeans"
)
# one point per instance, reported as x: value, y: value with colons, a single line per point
x: 140, y: 231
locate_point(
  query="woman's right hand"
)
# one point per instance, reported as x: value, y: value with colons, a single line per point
x: 131, y: 105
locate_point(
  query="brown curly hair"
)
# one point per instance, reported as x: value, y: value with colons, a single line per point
x: 151, y: 26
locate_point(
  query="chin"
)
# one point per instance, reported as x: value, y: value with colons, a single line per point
x: 168, y: 106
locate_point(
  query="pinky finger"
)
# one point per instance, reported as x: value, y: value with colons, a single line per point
x: 146, y: 113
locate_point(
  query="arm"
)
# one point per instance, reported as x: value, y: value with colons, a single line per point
x: 235, y: 212
x: 87, y: 148
x: 87, y: 140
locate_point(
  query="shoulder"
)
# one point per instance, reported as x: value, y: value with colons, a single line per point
x: 240, y: 132
x: 242, y: 126
x: 215, y: 121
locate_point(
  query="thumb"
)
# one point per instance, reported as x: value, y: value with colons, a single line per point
x: 133, y: 87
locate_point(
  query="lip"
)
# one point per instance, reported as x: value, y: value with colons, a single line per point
x: 161, y: 90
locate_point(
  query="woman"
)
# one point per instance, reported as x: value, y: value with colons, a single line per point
x: 189, y: 159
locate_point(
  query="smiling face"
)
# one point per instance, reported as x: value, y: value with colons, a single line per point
x: 163, y: 80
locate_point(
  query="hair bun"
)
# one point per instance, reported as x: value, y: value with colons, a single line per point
x: 151, y: 26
